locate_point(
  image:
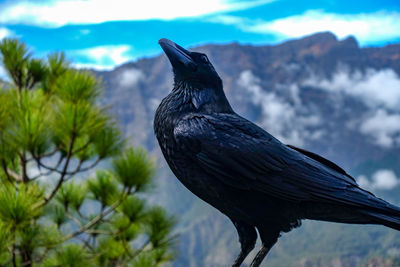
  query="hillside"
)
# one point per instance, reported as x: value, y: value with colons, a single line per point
x: 323, y: 94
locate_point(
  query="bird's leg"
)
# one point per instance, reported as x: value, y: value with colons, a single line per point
x: 268, y: 239
x: 247, y: 238
x: 260, y: 256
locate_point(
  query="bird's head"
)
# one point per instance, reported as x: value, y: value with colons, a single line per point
x: 191, y: 67
x: 196, y: 78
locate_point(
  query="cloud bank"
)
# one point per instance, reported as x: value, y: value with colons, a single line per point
x: 102, y: 57
x: 374, y: 87
x: 4, y: 32
x: 366, y: 27
x: 59, y: 13
x: 288, y: 121
x: 383, y: 127
x: 379, y: 90
x: 130, y: 77
x: 381, y: 180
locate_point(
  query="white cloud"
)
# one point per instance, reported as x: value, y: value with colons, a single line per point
x: 288, y: 121
x: 379, y: 90
x: 374, y: 87
x: 383, y: 127
x: 93, y: 66
x: 3, y: 73
x: 240, y: 22
x: 382, y: 180
x: 102, y: 57
x: 130, y: 77
x: 4, y: 32
x: 58, y: 13
x: 366, y: 27
x: 115, y: 54
x: 363, y: 182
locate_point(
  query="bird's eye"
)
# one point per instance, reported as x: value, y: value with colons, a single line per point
x: 204, y: 59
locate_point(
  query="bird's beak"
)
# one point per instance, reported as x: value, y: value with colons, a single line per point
x: 177, y: 55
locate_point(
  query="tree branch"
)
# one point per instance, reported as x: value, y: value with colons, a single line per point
x: 97, y: 218
x: 85, y: 242
x: 48, y: 154
x: 9, y: 173
x: 52, y: 169
x: 80, y: 169
x: 4, y: 165
x: 14, y: 175
x: 24, y: 175
x: 140, y: 250
x: 41, y: 257
x: 14, y: 257
x: 69, y: 215
x: 69, y: 173
x: 83, y: 147
x: 100, y: 232
x: 61, y: 180
x: 41, y: 174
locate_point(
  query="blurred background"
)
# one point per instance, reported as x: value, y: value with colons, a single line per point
x: 322, y: 75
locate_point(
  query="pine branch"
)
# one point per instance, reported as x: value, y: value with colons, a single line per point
x: 140, y: 250
x: 14, y: 259
x: 23, y: 161
x: 10, y: 174
x: 78, y: 169
x: 61, y: 180
x: 52, y: 169
x: 83, y: 147
x: 14, y: 175
x: 48, y: 154
x: 97, y: 218
x: 41, y: 257
x: 86, y: 243
x: 143, y: 247
x: 41, y: 174
x: 100, y: 232
x: 69, y: 215
x: 4, y: 165
x: 126, y: 248
x: 40, y: 164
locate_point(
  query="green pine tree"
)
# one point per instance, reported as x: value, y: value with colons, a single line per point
x: 54, y: 133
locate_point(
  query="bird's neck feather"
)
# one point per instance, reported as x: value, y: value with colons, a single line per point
x: 194, y: 98
x: 184, y: 100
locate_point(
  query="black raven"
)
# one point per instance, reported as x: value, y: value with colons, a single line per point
x: 246, y: 173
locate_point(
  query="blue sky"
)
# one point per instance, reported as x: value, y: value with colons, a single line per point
x: 103, y: 34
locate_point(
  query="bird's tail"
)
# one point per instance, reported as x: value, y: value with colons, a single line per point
x: 388, y: 216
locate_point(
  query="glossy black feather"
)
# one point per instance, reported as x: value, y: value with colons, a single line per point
x: 245, y: 172
x: 243, y: 155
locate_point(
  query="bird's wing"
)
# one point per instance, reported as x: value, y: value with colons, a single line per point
x: 322, y: 160
x: 244, y: 156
